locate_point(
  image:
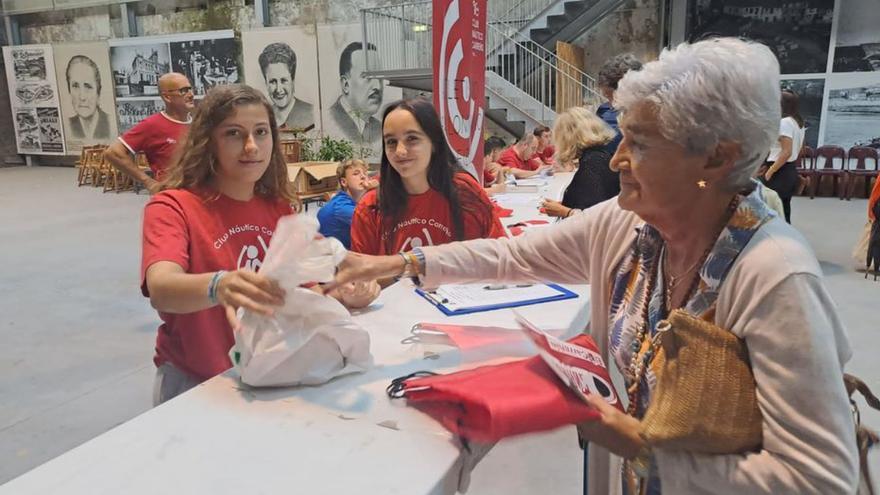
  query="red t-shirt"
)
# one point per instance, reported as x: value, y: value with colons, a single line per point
x: 546, y: 155
x: 426, y: 222
x: 488, y: 176
x: 203, y: 236
x: 509, y: 158
x: 157, y: 136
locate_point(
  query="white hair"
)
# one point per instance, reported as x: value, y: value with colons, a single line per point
x: 720, y: 89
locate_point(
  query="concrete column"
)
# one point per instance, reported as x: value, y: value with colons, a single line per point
x: 261, y: 8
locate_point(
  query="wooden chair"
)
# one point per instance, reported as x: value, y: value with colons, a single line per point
x: 829, y: 153
x: 806, y: 165
x: 92, y: 163
x: 80, y: 165
x: 862, y: 154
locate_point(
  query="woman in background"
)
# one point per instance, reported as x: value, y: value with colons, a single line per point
x: 582, y: 136
x: 781, y: 174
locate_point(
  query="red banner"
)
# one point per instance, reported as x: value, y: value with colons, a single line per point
x: 459, y: 39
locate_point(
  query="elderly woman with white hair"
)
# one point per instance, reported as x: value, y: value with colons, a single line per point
x: 688, y: 231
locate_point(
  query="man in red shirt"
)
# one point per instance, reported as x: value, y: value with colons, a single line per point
x: 545, y: 150
x: 520, y: 160
x: 157, y: 135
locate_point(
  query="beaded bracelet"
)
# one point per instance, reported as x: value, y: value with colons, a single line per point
x: 212, y: 287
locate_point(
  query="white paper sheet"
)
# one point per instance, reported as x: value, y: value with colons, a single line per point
x: 457, y: 297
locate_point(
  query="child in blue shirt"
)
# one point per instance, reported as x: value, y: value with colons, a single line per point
x: 335, y: 216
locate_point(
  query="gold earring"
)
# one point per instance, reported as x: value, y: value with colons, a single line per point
x: 702, y: 184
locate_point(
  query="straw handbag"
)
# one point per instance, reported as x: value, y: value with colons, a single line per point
x: 705, y: 399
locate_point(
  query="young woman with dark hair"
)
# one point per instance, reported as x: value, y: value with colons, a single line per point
x: 206, y: 233
x: 781, y: 174
x: 424, y: 197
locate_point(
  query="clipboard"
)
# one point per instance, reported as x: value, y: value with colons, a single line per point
x: 508, y: 299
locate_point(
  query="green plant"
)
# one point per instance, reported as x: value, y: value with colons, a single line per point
x: 335, y: 150
x: 306, y: 150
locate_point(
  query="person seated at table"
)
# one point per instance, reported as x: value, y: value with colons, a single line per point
x: 424, y: 198
x: 582, y: 136
x: 688, y: 231
x: 610, y: 74
x: 493, y: 173
x: 206, y: 233
x: 519, y: 159
x: 335, y: 216
x: 545, y: 150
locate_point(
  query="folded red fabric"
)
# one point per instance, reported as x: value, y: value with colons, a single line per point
x: 501, y: 211
x: 489, y: 403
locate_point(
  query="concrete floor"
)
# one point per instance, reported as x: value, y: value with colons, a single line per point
x: 78, y: 338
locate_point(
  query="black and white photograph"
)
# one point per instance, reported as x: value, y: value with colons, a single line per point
x: 854, y: 113
x: 33, y: 94
x: 51, y: 139
x: 352, y: 103
x: 810, y: 93
x: 85, y: 91
x: 27, y: 130
x: 858, y: 37
x: 29, y: 64
x: 137, y: 68
x: 799, y: 33
x: 130, y: 112
x: 275, y: 61
x: 207, y: 63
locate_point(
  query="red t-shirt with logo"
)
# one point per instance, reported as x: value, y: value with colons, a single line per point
x: 509, y: 158
x: 427, y: 220
x: 204, y: 235
x: 157, y: 136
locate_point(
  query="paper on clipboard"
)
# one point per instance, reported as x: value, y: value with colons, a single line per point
x: 581, y: 369
x: 468, y: 296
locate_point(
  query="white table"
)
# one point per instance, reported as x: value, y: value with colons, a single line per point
x: 223, y: 438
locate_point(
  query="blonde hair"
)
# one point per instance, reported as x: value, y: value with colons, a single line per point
x: 576, y: 129
x: 194, y: 164
x: 348, y: 165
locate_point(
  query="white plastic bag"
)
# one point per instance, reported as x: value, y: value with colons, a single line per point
x: 312, y: 338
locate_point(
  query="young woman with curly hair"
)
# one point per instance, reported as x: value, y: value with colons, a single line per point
x: 206, y: 233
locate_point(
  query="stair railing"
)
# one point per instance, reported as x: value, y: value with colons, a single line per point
x: 522, y: 12
x: 402, y: 34
x: 535, y: 72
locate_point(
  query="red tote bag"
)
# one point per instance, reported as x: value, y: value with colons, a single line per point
x: 489, y: 403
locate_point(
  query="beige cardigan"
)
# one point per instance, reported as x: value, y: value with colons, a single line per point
x: 773, y: 297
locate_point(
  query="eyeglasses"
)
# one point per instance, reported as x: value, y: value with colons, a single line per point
x: 181, y: 91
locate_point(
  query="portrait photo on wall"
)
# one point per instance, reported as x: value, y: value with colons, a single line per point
x: 799, y: 33
x: 282, y: 63
x: 207, y: 62
x: 33, y: 95
x: 137, y: 66
x: 85, y: 91
x: 853, y: 111
x: 131, y: 111
x: 810, y: 93
x: 858, y: 37
x: 351, y: 102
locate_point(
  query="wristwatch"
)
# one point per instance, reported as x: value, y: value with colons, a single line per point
x: 414, y: 265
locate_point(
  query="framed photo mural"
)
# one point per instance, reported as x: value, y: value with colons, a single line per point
x: 857, y: 46
x: 282, y: 63
x: 799, y: 33
x: 207, y: 59
x: 85, y: 91
x: 853, y: 116
x: 351, y: 103
x: 33, y: 92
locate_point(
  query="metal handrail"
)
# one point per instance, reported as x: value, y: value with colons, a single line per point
x: 533, y: 73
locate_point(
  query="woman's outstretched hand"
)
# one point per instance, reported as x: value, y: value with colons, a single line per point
x: 358, y: 267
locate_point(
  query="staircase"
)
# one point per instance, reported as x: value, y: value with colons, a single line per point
x: 547, y: 21
x: 522, y: 74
